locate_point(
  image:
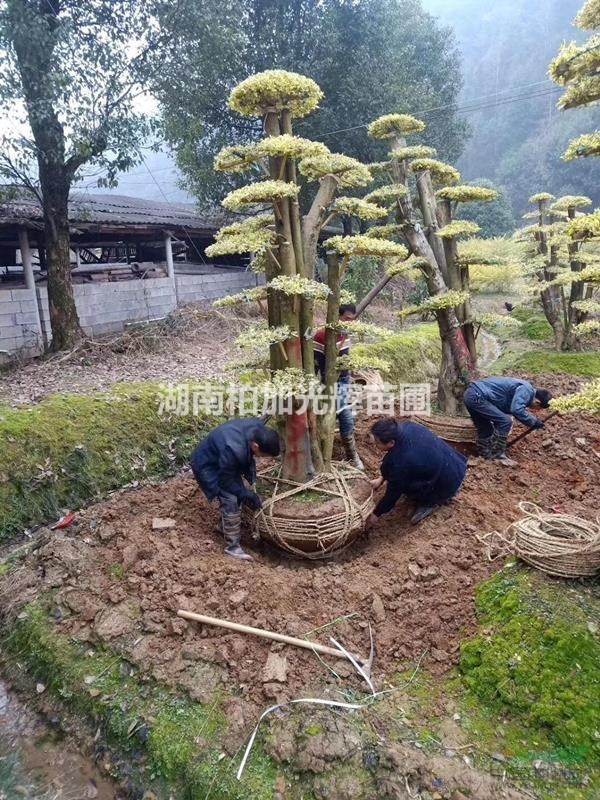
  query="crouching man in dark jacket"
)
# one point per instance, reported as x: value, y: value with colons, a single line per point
x: 222, y: 461
x: 493, y: 402
x: 419, y: 465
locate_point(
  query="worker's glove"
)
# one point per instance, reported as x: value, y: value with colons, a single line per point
x: 537, y: 425
x: 252, y: 500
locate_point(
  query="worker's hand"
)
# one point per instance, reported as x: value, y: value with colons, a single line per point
x: 537, y: 425
x: 377, y: 483
x: 371, y: 521
x: 252, y: 500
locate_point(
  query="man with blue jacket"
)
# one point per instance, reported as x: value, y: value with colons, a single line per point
x: 222, y: 461
x: 492, y: 404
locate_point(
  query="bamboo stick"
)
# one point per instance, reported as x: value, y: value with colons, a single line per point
x: 276, y: 637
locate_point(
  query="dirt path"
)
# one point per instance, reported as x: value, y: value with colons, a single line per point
x: 121, y: 582
x: 489, y: 350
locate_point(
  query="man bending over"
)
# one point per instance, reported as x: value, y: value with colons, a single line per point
x: 492, y: 404
x: 222, y: 461
x: 417, y: 464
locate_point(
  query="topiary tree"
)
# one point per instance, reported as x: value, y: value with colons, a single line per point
x: 424, y: 220
x: 563, y: 268
x: 284, y: 243
x: 576, y: 68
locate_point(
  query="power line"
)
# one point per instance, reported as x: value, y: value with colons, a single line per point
x: 160, y: 189
x: 460, y: 110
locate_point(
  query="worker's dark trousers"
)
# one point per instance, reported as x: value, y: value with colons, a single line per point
x: 228, y: 503
x: 486, y: 417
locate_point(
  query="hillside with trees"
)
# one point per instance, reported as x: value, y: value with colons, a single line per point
x: 518, y: 143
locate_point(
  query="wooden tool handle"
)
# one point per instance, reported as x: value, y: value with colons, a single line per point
x: 530, y: 430
x: 276, y: 637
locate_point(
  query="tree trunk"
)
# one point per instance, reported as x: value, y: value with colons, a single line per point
x: 458, y: 279
x: 375, y: 291
x: 34, y: 61
x: 64, y: 320
x: 333, y: 301
x: 455, y: 370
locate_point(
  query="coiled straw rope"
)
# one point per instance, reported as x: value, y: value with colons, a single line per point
x: 314, y: 538
x: 451, y: 429
x: 558, y: 544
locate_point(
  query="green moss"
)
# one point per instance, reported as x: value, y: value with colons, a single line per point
x: 69, y: 450
x: 413, y: 354
x: 534, y: 325
x: 117, y: 571
x: 183, y: 740
x: 536, y: 664
x: 583, y: 364
x: 313, y: 730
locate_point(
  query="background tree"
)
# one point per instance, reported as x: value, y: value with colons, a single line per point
x: 576, y: 68
x: 427, y: 225
x: 371, y: 55
x: 73, y: 70
x: 518, y: 134
x: 563, y: 265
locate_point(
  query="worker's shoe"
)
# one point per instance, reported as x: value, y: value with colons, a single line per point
x: 349, y: 443
x: 485, y: 448
x: 499, y: 445
x: 232, y: 524
x: 422, y: 513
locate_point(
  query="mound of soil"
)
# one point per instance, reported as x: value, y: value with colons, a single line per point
x: 119, y: 580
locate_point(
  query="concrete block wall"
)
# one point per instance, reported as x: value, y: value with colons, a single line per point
x: 106, y: 307
x: 19, y: 333
x: 194, y: 288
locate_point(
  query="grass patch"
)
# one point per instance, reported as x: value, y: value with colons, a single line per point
x: 534, y: 325
x: 182, y: 740
x: 69, y: 450
x: 531, y: 677
x: 413, y: 354
x: 583, y: 364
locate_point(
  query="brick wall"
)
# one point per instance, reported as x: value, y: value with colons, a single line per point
x: 18, y: 323
x: 106, y: 307
x: 194, y: 288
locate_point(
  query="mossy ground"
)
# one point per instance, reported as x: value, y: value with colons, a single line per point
x: 71, y: 449
x: 181, y: 740
x: 413, y: 354
x: 530, y: 349
x: 530, y: 681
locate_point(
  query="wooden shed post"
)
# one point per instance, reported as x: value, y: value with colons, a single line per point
x: 170, y: 263
x: 27, y: 262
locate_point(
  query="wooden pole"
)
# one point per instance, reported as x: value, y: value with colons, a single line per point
x: 27, y: 262
x: 263, y: 634
x: 171, y: 264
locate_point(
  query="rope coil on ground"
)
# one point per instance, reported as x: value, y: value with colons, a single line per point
x: 314, y: 538
x: 562, y: 545
x: 451, y: 429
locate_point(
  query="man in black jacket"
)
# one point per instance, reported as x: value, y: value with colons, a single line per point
x: 419, y: 465
x: 222, y: 461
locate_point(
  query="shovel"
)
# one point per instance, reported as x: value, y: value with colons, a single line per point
x: 530, y: 430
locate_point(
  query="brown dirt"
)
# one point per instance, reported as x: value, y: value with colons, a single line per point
x: 121, y: 582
